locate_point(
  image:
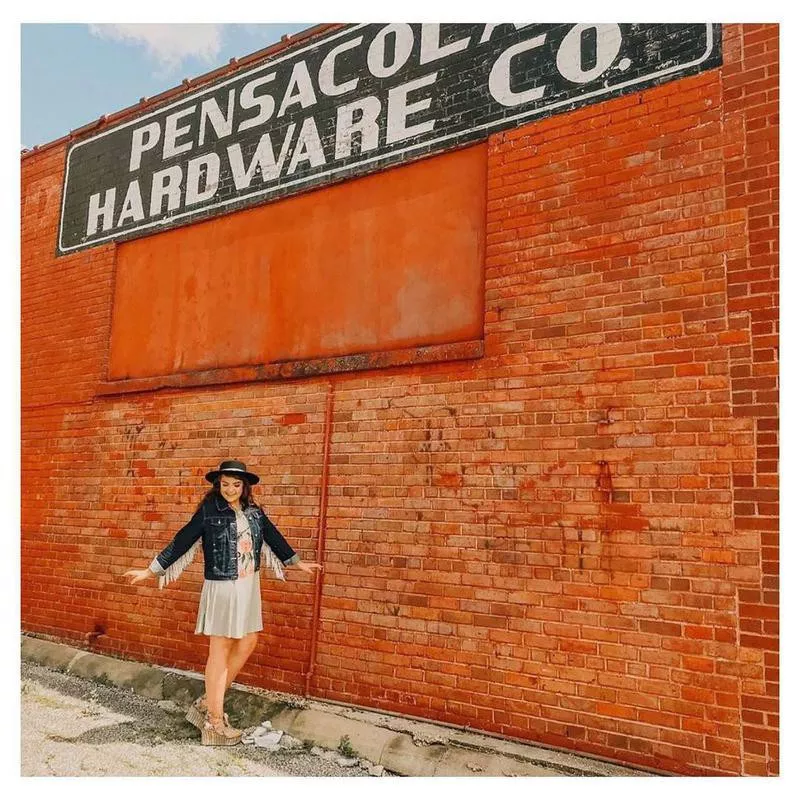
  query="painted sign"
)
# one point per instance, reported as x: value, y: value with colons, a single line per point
x: 354, y: 101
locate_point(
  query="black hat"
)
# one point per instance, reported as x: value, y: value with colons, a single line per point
x: 235, y: 468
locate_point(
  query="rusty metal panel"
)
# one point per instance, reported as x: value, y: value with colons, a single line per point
x: 385, y: 262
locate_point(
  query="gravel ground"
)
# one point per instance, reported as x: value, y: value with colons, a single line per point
x: 75, y: 727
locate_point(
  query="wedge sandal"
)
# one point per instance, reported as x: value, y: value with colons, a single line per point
x: 196, y: 715
x: 216, y: 731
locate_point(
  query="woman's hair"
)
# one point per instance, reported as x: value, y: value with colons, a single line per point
x: 246, y: 500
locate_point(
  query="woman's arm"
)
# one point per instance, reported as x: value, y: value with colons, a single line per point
x: 180, y: 545
x: 139, y: 575
x: 308, y: 566
x: 276, y: 542
x: 283, y: 550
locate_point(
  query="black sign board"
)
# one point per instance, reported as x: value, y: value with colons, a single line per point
x: 354, y: 101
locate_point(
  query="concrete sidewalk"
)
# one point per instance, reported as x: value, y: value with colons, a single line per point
x: 402, y: 746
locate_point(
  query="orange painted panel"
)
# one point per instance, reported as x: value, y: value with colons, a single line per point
x: 388, y: 261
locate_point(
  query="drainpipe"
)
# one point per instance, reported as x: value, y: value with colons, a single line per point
x: 321, y: 526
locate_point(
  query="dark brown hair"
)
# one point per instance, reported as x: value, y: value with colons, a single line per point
x: 246, y: 499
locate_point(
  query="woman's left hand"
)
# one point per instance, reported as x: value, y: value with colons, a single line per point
x: 308, y: 566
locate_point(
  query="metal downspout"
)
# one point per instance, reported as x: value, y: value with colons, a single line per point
x: 321, y: 527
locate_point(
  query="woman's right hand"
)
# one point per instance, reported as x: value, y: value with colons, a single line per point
x: 138, y: 575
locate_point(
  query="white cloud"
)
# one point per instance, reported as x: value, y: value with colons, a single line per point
x: 168, y: 44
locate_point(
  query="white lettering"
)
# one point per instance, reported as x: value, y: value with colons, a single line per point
x: 172, y: 132
x: 569, y: 57
x: 263, y: 160
x: 326, y: 81
x: 166, y: 183
x: 299, y: 89
x: 132, y: 207
x: 222, y: 125
x: 96, y: 210
x: 398, y: 109
x: 376, y: 55
x: 143, y: 139
x: 264, y: 102
x: 308, y: 147
x: 193, y: 175
x: 367, y: 125
x: 500, y: 75
x: 431, y: 49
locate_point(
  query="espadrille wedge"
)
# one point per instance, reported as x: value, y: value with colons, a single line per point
x: 215, y: 731
x: 196, y: 714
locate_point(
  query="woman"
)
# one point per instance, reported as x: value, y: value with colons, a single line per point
x: 234, y: 532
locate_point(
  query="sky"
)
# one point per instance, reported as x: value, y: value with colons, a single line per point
x: 73, y: 73
x: 111, y: 66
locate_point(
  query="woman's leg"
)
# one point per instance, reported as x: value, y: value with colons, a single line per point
x: 242, y: 650
x: 219, y: 650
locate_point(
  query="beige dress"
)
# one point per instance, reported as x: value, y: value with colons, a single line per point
x: 233, y: 608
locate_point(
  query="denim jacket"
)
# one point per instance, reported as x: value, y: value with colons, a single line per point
x: 214, y: 526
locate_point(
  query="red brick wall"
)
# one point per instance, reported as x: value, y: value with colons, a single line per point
x: 750, y: 109
x: 572, y: 540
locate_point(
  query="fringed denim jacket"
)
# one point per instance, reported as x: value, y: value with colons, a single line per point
x: 214, y: 526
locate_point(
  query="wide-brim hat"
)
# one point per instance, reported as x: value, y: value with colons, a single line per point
x: 235, y: 468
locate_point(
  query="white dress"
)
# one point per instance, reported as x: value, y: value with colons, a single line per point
x: 233, y: 608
